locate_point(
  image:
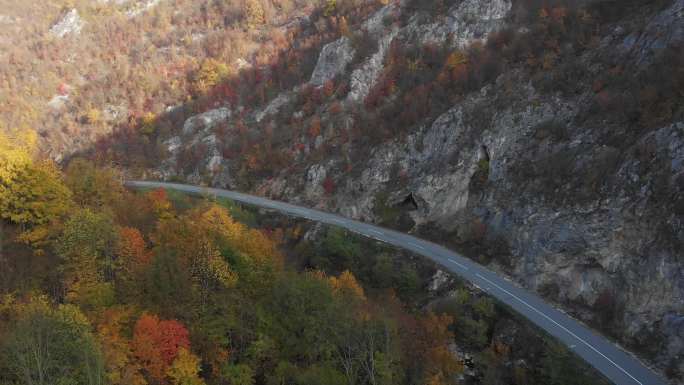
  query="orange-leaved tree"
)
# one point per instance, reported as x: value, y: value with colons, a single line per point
x: 429, y: 339
x: 347, y: 285
x: 160, y: 201
x: 132, y: 251
x: 156, y: 344
x: 119, y: 361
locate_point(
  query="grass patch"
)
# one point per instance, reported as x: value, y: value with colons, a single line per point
x: 388, y: 215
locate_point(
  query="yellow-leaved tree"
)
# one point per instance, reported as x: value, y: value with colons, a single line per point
x: 254, y: 14
x: 210, y: 73
x: 16, y: 151
x: 32, y: 193
x: 252, y: 253
x: 241, y: 238
x: 185, y: 369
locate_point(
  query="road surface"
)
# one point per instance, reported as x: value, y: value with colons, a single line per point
x: 618, y: 366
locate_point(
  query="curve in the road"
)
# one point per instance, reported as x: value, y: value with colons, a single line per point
x: 617, y: 365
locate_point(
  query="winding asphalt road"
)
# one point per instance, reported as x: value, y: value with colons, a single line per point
x: 620, y: 367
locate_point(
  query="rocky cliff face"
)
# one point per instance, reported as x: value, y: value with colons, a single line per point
x: 585, y: 211
x: 70, y: 23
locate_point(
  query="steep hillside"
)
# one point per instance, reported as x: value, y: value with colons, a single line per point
x: 77, y: 71
x: 545, y: 139
x: 102, y: 285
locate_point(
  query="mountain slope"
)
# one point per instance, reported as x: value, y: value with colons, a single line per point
x: 542, y: 138
x: 545, y: 141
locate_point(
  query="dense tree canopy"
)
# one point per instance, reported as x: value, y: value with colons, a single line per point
x: 87, y: 246
x: 31, y: 192
x: 50, y: 345
x: 152, y: 288
x: 93, y: 187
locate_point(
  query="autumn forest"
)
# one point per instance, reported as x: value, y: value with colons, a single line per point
x: 102, y: 285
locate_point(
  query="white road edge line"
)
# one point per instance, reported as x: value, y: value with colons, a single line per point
x: 416, y: 245
x: 376, y: 232
x: 560, y: 326
x: 462, y: 266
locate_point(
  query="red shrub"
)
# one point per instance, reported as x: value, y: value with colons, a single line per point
x: 155, y: 343
x: 329, y: 186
